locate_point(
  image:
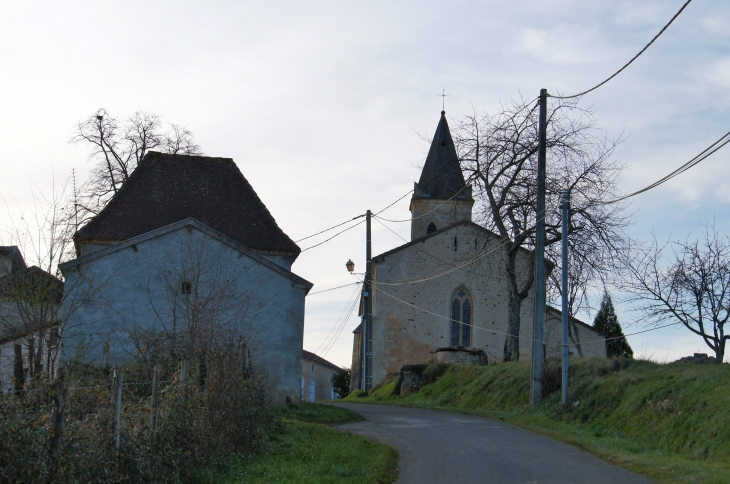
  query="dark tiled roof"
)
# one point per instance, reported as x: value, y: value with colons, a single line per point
x: 441, y: 177
x: 18, y: 263
x: 33, y: 283
x: 165, y: 189
x: 309, y: 356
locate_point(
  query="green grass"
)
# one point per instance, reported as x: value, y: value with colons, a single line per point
x: 668, y: 422
x: 309, y: 451
x: 318, y: 413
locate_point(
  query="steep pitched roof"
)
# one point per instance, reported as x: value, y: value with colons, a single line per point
x: 167, y: 188
x: 32, y: 283
x: 309, y: 356
x: 441, y: 177
x: 18, y: 263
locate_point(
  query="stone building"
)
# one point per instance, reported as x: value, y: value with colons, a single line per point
x: 317, y: 378
x: 186, y: 249
x: 448, y: 286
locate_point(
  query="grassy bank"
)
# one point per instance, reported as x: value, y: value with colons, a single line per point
x: 668, y: 422
x: 307, y: 450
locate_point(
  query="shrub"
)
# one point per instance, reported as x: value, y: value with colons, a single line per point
x: 228, y: 416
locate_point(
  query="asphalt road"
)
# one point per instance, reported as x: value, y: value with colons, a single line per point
x: 441, y: 447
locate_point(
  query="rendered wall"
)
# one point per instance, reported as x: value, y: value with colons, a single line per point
x: 128, y: 291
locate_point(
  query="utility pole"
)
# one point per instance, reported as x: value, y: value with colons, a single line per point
x: 565, y: 206
x: 367, y: 323
x: 538, y: 348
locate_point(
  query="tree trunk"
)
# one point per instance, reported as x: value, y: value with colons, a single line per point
x: 514, y: 305
x: 573, y: 330
x: 512, y: 340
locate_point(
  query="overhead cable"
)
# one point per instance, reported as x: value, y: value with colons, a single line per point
x: 629, y: 62
x: 333, y: 227
x: 511, y: 335
x: 338, y: 233
x: 709, y: 151
x: 333, y: 288
x: 429, y: 212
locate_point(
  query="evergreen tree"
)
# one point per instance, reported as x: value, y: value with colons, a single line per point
x: 341, y: 382
x: 607, y: 323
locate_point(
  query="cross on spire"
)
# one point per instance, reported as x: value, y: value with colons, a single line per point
x: 443, y: 97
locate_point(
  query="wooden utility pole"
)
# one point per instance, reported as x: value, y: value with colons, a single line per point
x: 367, y: 323
x: 117, y: 381
x: 565, y: 206
x: 538, y: 348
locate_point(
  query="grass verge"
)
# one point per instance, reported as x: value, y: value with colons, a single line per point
x: 307, y: 450
x: 670, y: 423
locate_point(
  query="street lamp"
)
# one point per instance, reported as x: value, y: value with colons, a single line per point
x: 350, y: 265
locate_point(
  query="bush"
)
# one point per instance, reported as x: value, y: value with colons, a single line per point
x: 228, y: 416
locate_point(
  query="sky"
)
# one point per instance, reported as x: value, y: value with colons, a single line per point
x: 324, y: 105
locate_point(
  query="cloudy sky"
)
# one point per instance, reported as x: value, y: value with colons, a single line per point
x: 321, y: 104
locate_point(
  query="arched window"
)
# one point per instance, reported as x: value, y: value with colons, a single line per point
x: 461, y: 319
x: 431, y: 228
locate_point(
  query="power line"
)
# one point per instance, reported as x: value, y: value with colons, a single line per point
x: 333, y: 288
x: 327, y: 230
x: 629, y: 62
x: 429, y: 212
x: 342, y: 327
x: 510, y: 335
x: 326, y: 340
x: 706, y: 153
x: 338, y: 233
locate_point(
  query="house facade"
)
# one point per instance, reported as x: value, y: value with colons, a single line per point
x: 317, y: 378
x: 30, y: 311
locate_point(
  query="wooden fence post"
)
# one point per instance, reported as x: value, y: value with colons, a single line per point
x: 185, y: 371
x: 59, y: 406
x: 117, y: 380
x: 153, y: 413
x: 105, y: 361
x: 18, y: 369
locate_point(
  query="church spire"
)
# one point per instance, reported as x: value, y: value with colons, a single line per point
x: 441, y: 197
x: 441, y: 177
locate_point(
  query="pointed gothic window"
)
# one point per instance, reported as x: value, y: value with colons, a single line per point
x: 431, y: 228
x: 461, y: 319
x: 455, y: 318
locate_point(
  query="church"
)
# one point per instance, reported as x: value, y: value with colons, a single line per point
x: 444, y: 293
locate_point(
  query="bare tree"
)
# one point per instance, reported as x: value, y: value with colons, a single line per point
x: 117, y: 147
x: 690, y: 286
x: 198, y: 301
x: 499, y: 153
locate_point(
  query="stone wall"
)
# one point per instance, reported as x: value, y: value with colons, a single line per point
x: 403, y: 334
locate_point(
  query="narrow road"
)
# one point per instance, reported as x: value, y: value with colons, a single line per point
x: 441, y: 447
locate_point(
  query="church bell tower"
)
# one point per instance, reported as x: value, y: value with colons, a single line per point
x: 441, y: 197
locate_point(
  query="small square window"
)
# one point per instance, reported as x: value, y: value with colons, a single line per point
x: 186, y: 287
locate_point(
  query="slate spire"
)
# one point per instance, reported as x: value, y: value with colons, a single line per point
x: 441, y: 177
